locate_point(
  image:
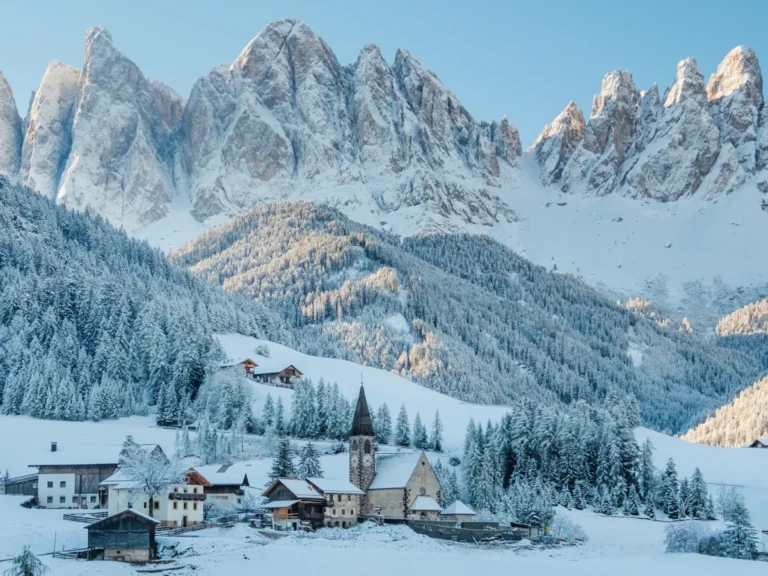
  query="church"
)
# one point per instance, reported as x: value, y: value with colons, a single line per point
x: 397, y: 485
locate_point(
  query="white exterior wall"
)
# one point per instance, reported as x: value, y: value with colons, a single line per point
x: 165, y: 511
x: 225, y: 500
x: 56, y: 492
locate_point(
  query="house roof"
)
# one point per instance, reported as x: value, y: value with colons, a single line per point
x: 335, y: 486
x: 394, y: 470
x: 362, y: 425
x: 299, y: 488
x: 127, y: 511
x: 273, y: 367
x: 225, y: 474
x: 18, y: 479
x: 458, y: 507
x: 763, y: 441
x: 280, y: 504
x: 425, y: 504
x: 84, y: 455
x: 236, y: 362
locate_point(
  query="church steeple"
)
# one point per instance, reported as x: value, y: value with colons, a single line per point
x: 362, y: 425
x: 362, y: 448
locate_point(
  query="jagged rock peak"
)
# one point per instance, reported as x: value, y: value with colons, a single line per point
x: 556, y: 143
x: 49, y: 125
x: 10, y: 130
x: 740, y: 69
x: 506, y: 139
x: 617, y: 86
x: 689, y: 83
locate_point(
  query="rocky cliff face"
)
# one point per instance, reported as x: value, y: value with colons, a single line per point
x: 10, y: 131
x: 700, y: 138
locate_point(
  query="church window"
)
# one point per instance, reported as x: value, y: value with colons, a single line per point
x: 367, y: 446
x: 354, y: 445
x: 422, y: 491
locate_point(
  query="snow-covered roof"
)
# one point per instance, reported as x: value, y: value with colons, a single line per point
x: 280, y: 504
x: 119, y: 481
x: 458, y: 507
x: 394, y: 470
x: 273, y: 366
x: 225, y: 474
x: 425, y: 504
x: 299, y: 488
x: 126, y: 511
x: 80, y: 455
x: 335, y: 486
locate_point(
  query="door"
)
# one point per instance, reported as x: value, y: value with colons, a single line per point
x: 184, y: 521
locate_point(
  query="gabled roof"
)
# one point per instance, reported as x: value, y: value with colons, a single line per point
x: 362, y: 425
x: 335, y: 486
x: 394, y: 470
x: 763, y: 441
x: 299, y: 488
x: 280, y: 504
x: 225, y: 474
x: 236, y: 362
x: 127, y: 511
x: 458, y: 507
x: 273, y: 368
x: 425, y: 504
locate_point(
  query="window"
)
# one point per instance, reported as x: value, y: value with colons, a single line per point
x: 338, y: 497
x: 185, y: 490
x: 194, y: 505
x: 354, y: 445
x: 349, y: 498
x: 343, y: 512
x: 63, y: 484
x: 93, y: 499
x: 62, y: 499
x: 50, y: 484
x: 175, y: 489
x: 175, y: 505
x: 157, y: 505
x: 49, y: 500
x: 352, y: 512
x: 367, y: 447
x: 185, y: 505
x: 194, y: 490
x: 74, y: 499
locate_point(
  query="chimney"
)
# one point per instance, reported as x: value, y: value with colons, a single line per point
x: 54, y: 446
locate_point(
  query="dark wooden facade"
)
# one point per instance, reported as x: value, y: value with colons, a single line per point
x: 127, y: 536
x: 284, y: 377
x: 21, y: 486
x: 304, y: 509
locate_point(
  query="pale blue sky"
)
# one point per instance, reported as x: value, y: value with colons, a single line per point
x: 523, y: 59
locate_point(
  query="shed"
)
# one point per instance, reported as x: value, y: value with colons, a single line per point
x: 20, y: 485
x: 128, y: 536
x: 459, y: 512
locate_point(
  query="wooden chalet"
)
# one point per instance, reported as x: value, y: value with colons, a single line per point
x: 246, y: 364
x: 293, y: 502
x: 128, y: 536
x: 226, y: 482
x: 283, y: 377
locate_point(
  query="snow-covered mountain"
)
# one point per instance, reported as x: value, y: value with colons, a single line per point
x: 675, y: 174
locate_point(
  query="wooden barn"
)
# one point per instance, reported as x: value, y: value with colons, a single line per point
x: 20, y: 486
x: 127, y: 536
x: 246, y: 364
x: 283, y: 377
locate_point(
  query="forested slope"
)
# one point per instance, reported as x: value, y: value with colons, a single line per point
x: 96, y: 325
x: 461, y: 314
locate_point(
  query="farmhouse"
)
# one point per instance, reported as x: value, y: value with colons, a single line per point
x: 127, y: 536
x: 70, y: 478
x: 225, y: 483
x: 246, y: 364
x: 395, y: 485
x: 293, y: 501
x: 342, y: 501
x: 278, y: 374
x: 180, y: 506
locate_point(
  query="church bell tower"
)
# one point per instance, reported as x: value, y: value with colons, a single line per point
x: 362, y: 446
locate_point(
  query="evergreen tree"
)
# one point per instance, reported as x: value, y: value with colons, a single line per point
x: 280, y: 427
x: 309, y: 462
x: 419, y: 438
x: 739, y: 538
x: 282, y: 460
x: 670, y: 491
x: 633, y: 501
x: 436, y: 440
x: 402, y: 429
x: 268, y: 412
x: 647, y: 471
x: 383, y: 426
x: 684, y: 498
x: 26, y: 564
x: 648, y: 510
x: 699, y: 498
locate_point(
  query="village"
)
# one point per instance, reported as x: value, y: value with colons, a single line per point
x: 125, y: 510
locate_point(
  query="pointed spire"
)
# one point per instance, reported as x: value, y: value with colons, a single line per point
x: 362, y: 425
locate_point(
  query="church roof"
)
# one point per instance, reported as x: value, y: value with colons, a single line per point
x: 394, y: 470
x: 362, y: 425
x: 335, y: 486
x: 425, y: 504
x: 460, y: 508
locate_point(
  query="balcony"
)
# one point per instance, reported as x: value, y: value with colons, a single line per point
x: 186, y: 496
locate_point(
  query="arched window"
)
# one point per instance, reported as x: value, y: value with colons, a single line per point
x: 354, y: 445
x: 367, y: 446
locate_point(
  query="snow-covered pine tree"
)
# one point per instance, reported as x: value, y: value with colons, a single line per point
x: 710, y: 509
x: 685, y: 498
x: 402, y: 428
x: 649, y: 510
x: 309, y: 462
x: 436, y: 439
x: 383, y: 425
x: 739, y: 538
x: 268, y: 412
x: 26, y: 564
x: 419, y: 438
x: 633, y: 501
x: 698, y: 496
x: 280, y: 426
x: 670, y: 491
x: 321, y: 396
x: 647, y: 471
x: 282, y: 460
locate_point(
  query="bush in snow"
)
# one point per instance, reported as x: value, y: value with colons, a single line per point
x: 26, y: 564
x: 684, y: 536
x: 563, y: 528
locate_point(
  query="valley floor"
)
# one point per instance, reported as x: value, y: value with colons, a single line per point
x: 616, y: 545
